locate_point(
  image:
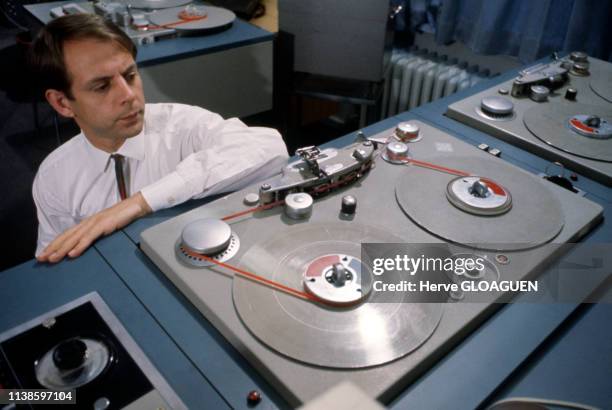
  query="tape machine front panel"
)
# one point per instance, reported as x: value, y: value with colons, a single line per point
x: 282, y: 283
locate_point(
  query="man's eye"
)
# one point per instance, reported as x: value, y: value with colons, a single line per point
x: 101, y: 88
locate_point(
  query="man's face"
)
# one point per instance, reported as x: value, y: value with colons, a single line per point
x: 108, y: 101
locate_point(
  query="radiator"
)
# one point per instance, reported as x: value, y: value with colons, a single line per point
x: 416, y: 77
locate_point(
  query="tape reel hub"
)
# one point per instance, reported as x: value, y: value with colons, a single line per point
x: 336, y: 279
x: 193, y: 12
x: 591, y: 126
x: 478, y: 196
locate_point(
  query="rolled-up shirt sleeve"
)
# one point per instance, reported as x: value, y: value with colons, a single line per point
x: 52, y: 219
x: 217, y: 156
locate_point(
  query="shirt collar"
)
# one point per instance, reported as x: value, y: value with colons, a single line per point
x: 132, y: 148
x: 98, y: 158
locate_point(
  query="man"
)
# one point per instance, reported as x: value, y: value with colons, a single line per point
x: 130, y: 158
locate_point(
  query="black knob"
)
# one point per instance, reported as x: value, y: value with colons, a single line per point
x: 570, y: 94
x: 349, y: 205
x: 593, y: 121
x: 479, y: 189
x: 70, y: 354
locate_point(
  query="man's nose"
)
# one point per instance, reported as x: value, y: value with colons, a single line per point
x: 126, y: 93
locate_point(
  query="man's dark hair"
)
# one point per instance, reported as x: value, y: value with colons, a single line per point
x: 47, y: 52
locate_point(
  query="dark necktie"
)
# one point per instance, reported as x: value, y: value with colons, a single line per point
x: 119, y: 174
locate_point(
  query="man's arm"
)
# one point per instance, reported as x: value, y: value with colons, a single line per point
x: 54, y: 217
x: 77, y: 239
x: 217, y: 155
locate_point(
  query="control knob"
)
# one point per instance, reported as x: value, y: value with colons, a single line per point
x: 539, y: 93
x: 570, y: 94
x: 349, y: 205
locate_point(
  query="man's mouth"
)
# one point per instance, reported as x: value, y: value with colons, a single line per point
x: 130, y: 117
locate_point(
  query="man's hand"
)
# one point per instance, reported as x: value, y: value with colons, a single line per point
x: 75, y: 240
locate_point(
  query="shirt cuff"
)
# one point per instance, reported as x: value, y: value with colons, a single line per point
x: 168, y: 191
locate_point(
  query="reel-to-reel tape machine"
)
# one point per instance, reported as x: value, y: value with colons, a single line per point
x: 560, y: 110
x: 279, y: 269
x: 147, y: 21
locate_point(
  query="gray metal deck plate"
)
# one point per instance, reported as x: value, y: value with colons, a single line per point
x: 211, y: 289
x: 602, y: 85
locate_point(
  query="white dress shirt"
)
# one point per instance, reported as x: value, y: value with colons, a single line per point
x: 182, y: 152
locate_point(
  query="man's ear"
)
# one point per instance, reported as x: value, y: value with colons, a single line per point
x: 59, y: 102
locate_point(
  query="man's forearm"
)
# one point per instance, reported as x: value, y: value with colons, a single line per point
x: 135, y: 207
x: 77, y: 239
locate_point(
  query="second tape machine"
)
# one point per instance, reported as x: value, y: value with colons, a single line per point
x: 561, y: 110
